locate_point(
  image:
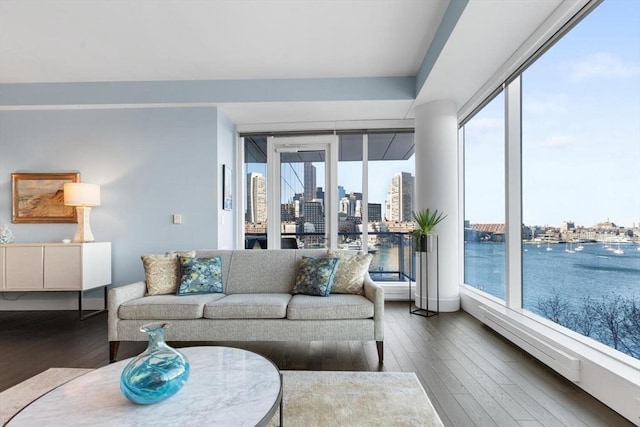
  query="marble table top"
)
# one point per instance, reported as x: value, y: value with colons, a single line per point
x: 226, y: 386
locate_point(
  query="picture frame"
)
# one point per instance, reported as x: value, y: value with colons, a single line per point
x: 39, y: 197
x: 227, y: 186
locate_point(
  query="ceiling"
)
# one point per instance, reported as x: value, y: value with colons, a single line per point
x: 70, y: 41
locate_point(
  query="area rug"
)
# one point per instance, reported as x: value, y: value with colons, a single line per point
x: 338, y: 398
x: 311, y: 398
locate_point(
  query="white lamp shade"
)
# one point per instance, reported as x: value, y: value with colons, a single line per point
x: 81, y: 194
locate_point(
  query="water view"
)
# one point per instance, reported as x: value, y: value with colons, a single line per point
x: 570, y: 284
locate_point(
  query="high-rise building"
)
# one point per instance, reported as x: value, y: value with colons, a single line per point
x: 399, y: 204
x: 314, y: 214
x: 374, y: 211
x: 344, y: 206
x: 288, y: 212
x: 353, y: 206
x: 341, y: 192
x: 256, y: 198
x: 309, y: 181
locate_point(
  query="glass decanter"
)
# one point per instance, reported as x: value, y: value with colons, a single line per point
x: 156, y: 374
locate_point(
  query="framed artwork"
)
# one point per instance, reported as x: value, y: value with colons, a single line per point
x: 227, y: 194
x: 39, y: 197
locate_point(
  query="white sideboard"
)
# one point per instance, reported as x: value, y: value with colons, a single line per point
x: 45, y: 267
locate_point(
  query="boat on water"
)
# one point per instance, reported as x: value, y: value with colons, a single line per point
x: 579, y: 248
x: 618, y: 251
x: 569, y: 248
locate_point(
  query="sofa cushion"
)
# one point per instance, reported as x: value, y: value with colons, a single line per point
x: 166, y: 307
x: 261, y: 271
x: 200, y: 275
x: 351, y: 271
x: 248, y: 306
x: 315, y: 276
x: 336, y: 306
x: 162, y: 272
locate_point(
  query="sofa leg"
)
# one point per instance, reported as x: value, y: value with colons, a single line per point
x: 380, y: 346
x: 113, y: 350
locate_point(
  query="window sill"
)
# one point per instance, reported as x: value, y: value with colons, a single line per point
x: 608, y: 375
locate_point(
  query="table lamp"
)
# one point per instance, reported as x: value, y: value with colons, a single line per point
x: 83, y: 197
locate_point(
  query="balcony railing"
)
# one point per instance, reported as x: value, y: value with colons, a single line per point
x: 393, y: 252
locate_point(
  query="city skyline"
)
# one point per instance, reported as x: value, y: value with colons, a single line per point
x: 357, y: 209
x: 398, y: 204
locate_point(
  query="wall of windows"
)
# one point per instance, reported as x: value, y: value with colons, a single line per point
x: 374, y: 208
x: 580, y: 242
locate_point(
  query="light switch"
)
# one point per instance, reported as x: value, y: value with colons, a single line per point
x: 177, y: 218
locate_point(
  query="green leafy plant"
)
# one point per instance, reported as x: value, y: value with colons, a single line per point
x: 425, y: 220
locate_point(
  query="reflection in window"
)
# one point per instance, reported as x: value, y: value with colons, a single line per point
x: 303, y: 218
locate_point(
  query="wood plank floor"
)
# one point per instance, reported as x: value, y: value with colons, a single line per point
x: 473, y: 376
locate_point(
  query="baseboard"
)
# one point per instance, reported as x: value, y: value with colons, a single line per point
x: 399, y: 291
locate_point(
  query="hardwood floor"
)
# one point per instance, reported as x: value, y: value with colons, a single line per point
x: 472, y: 375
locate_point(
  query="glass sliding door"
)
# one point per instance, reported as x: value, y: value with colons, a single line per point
x: 303, y: 220
x: 301, y: 171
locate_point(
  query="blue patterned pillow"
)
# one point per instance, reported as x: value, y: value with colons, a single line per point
x: 315, y: 276
x: 200, y: 275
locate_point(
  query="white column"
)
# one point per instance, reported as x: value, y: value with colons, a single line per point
x: 436, y: 149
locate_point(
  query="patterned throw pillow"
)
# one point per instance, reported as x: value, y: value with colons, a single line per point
x: 200, y: 275
x: 315, y: 276
x: 350, y: 273
x: 162, y: 272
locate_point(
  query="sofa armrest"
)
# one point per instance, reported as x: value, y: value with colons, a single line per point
x: 374, y: 293
x: 115, y: 298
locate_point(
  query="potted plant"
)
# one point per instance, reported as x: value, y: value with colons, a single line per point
x: 425, y: 222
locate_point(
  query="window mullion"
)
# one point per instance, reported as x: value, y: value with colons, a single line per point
x: 365, y: 192
x: 513, y: 194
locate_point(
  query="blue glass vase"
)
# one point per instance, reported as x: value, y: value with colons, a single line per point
x: 156, y: 374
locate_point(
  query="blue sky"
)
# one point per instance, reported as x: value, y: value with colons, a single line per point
x: 581, y: 129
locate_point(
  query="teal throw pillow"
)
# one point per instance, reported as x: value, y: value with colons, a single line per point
x: 315, y: 276
x: 200, y: 275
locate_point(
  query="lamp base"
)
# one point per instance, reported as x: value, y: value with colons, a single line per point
x: 83, y: 233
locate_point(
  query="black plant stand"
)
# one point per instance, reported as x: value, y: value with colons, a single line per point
x: 423, y: 283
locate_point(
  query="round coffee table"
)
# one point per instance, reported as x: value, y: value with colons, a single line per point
x: 226, y: 386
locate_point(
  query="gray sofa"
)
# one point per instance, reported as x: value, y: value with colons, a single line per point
x: 256, y: 305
